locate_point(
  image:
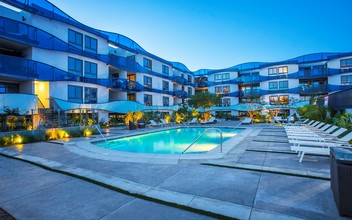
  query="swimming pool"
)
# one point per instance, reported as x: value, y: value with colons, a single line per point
x: 172, y: 141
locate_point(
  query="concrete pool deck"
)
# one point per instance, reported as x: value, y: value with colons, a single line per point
x: 257, y: 179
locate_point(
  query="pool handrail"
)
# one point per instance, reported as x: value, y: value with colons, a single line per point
x: 96, y: 126
x: 202, y: 135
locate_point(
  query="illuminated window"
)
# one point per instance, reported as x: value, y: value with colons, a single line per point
x: 147, y: 63
x: 165, y: 69
x: 283, y: 69
x: 218, y: 90
x: 273, y: 85
x: 148, y: 100
x: 226, y: 89
x: 75, y: 38
x: 90, y: 44
x: 273, y: 100
x: 272, y: 71
x: 346, y: 63
x: 283, y: 99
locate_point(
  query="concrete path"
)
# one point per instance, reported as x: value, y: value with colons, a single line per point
x: 191, y: 186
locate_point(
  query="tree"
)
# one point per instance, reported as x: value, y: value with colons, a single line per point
x: 204, y: 100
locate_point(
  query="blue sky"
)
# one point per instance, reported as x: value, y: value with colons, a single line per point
x: 214, y: 34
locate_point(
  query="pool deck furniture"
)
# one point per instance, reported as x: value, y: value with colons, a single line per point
x: 164, y: 123
x: 154, y: 124
x: 246, y: 120
x: 193, y: 121
x: 210, y: 121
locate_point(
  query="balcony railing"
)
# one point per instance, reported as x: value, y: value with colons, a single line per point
x: 311, y: 90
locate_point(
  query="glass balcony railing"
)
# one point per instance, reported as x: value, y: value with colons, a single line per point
x: 314, y: 89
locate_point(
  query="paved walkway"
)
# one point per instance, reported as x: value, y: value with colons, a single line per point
x: 250, y: 182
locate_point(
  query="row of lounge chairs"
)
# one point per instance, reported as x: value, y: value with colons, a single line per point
x: 316, y: 137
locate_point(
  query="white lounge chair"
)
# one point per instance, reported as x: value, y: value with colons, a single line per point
x: 210, y: 121
x: 153, y: 124
x: 163, y: 122
x: 246, y: 120
x: 193, y: 121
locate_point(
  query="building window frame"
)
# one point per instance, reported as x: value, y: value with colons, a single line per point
x: 148, y: 100
x: 90, y: 69
x: 346, y: 80
x: 283, y: 84
x: 189, y: 90
x: 75, y: 38
x: 75, y: 94
x: 148, y: 82
x: 90, y: 95
x: 226, y: 102
x: 346, y: 63
x: 282, y: 70
x: 90, y: 44
x: 75, y: 66
x: 165, y: 69
x: 166, y: 85
x: 166, y: 101
x: 273, y: 85
x: 147, y: 63
x: 272, y: 71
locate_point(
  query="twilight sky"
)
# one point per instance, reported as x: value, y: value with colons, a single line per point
x: 215, y: 34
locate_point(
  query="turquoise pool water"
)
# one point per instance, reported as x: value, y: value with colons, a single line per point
x: 173, y: 141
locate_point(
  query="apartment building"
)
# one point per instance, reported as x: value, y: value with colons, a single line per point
x: 50, y: 63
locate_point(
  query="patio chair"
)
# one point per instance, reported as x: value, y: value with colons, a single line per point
x: 153, y: 124
x: 323, y: 142
x: 163, y: 122
x: 210, y: 121
x: 246, y: 120
x: 193, y: 121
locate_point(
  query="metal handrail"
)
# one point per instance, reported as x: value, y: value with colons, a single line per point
x: 202, y: 135
x: 96, y: 126
x: 184, y: 124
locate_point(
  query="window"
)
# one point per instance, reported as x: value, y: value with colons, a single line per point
x: 226, y: 102
x: 346, y: 63
x: 218, y: 77
x: 75, y: 94
x: 90, y: 44
x: 166, y: 101
x: 346, y: 79
x: 165, y: 86
x: 189, y: 91
x: 75, y: 38
x: 273, y: 85
x: 283, y: 84
x: 283, y: 99
x: 147, y: 81
x: 272, y: 71
x: 273, y: 100
x: 90, y: 95
x: 131, y: 96
x: 75, y: 66
x: 226, y: 76
x: 9, y: 88
x: 165, y: 69
x: 189, y: 79
x: 148, y: 100
x: 90, y: 69
x: 147, y: 63
x: 218, y: 89
x: 226, y: 89
x: 222, y: 77
x: 283, y: 70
